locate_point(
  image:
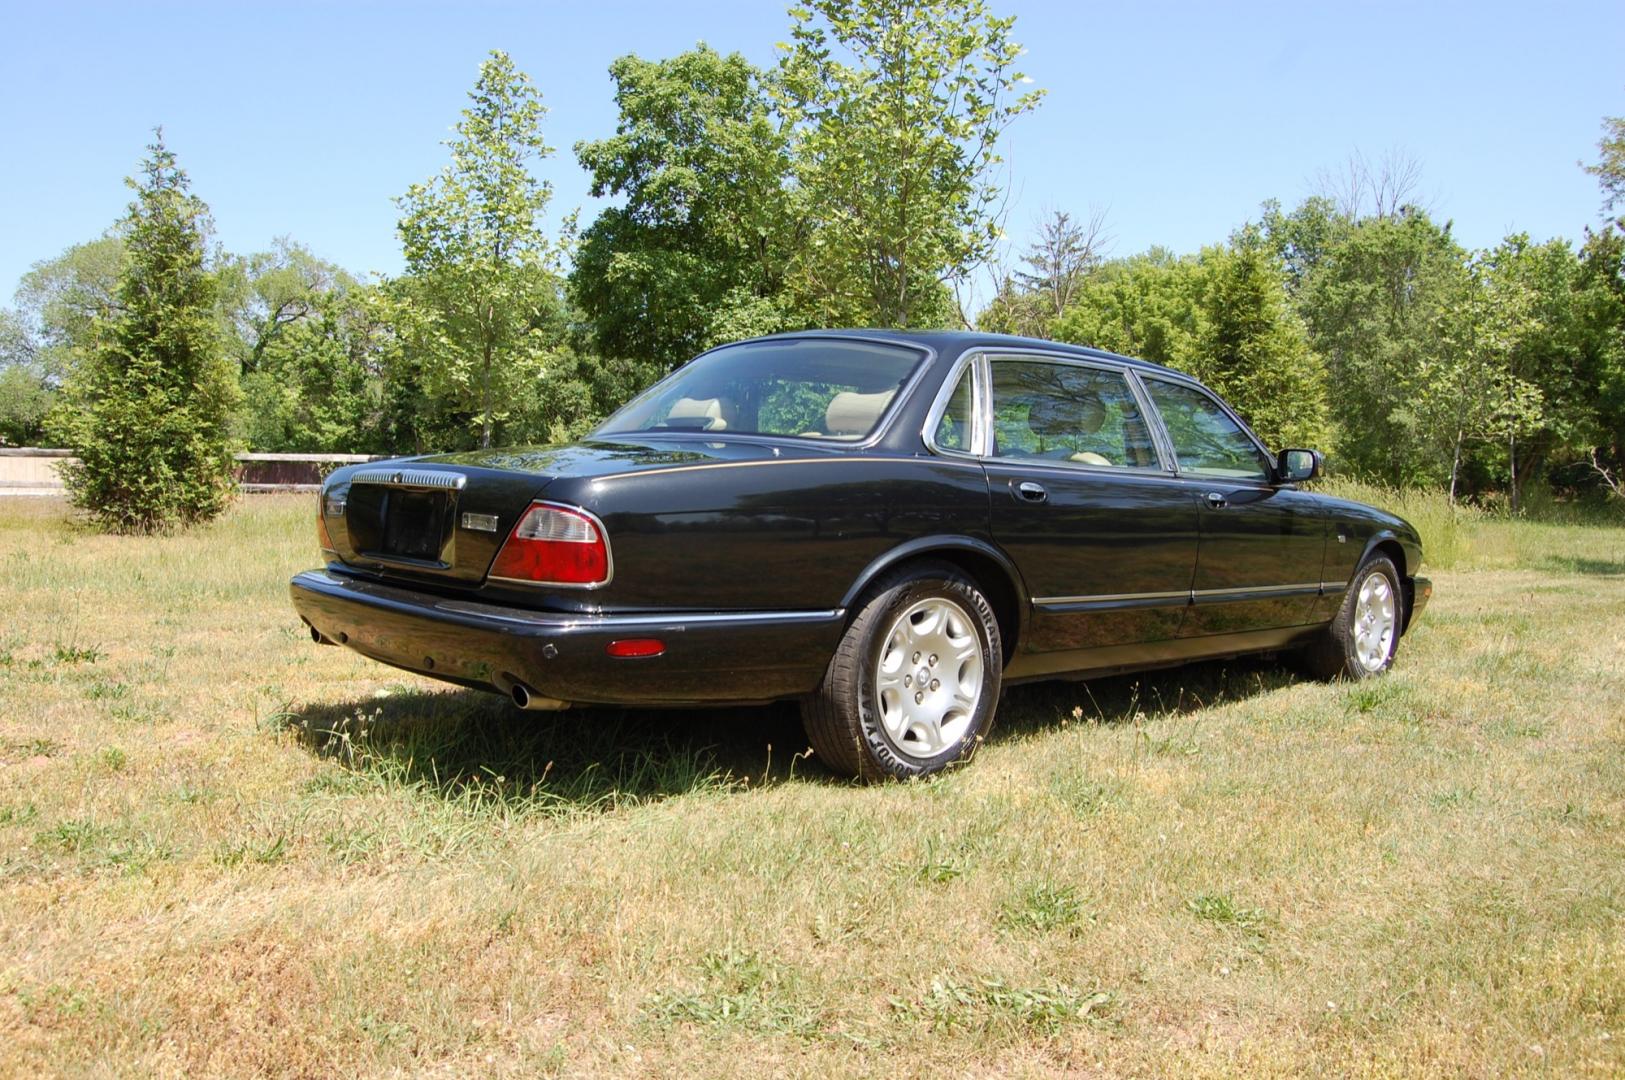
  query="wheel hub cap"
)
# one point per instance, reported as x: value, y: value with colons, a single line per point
x: 1374, y: 621
x: 929, y: 677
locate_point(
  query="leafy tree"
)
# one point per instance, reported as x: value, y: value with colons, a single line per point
x: 1253, y: 349
x: 306, y: 339
x: 897, y: 108
x: 148, y: 411
x: 1373, y: 305
x: 61, y: 301
x: 1222, y: 316
x: 1063, y: 255
x: 478, y: 283
x: 698, y: 250
x: 1610, y: 166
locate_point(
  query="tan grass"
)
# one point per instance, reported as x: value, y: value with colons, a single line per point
x: 224, y: 850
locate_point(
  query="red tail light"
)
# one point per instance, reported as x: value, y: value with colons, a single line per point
x: 554, y: 545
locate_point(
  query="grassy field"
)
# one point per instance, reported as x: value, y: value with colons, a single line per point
x: 225, y: 850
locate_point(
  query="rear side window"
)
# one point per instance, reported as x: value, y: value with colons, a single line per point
x: 958, y: 418
x: 811, y: 388
x: 1206, y: 441
x: 1045, y: 411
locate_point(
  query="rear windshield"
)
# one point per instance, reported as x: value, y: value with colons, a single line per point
x: 808, y: 388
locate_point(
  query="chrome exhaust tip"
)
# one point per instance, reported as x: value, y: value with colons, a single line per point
x: 526, y: 698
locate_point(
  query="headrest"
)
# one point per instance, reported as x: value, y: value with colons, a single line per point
x: 692, y: 408
x: 1051, y: 417
x: 852, y: 413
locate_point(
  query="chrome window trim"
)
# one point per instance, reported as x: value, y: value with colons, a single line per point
x: 597, y: 522
x: 939, y: 408
x: 928, y: 360
x: 1178, y: 379
x: 982, y: 443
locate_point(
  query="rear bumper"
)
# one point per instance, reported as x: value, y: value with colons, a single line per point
x: 1419, y: 591
x: 710, y: 657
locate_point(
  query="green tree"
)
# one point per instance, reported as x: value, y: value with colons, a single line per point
x: 148, y: 411
x: 1222, y: 316
x: 1609, y: 168
x: 698, y: 248
x: 1373, y: 304
x: 307, y: 343
x: 472, y: 305
x: 897, y: 109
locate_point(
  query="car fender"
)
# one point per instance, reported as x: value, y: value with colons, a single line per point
x: 1406, y: 544
x: 925, y: 546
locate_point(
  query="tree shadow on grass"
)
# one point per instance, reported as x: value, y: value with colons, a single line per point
x: 476, y: 750
x: 1572, y: 564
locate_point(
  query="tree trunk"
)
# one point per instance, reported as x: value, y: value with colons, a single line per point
x: 1455, y: 468
x: 1512, y: 466
x: 485, y: 398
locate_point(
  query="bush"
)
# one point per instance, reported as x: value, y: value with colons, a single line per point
x: 148, y: 412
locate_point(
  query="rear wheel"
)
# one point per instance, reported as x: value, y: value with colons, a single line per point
x: 913, y: 686
x: 1362, y: 639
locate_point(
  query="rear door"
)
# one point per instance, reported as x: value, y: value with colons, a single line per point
x: 1258, y: 565
x: 1102, y: 531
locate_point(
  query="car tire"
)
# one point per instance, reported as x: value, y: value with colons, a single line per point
x: 913, y: 685
x: 1361, y: 640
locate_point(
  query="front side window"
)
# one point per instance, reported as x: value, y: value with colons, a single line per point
x: 812, y: 388
x: 1047, y: 411
x: 1206, y: 441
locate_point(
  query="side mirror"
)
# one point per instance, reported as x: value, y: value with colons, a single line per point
x: 1298, y: 466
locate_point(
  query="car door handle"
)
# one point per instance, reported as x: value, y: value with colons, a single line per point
x: 1028, y: 491
x: 1217, y: 501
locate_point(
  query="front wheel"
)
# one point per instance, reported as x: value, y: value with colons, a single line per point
x: 1361, y: 641
x: 913, y: 686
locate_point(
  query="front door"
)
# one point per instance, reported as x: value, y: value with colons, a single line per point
x: 1259, y: 560
x: 1103, y: 533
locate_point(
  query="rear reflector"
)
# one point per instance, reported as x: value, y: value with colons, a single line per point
x: 554, y: 545
x: 321, y: 534
x: 629, y: 648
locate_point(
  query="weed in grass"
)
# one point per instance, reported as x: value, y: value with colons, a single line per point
x: 111, y: 758
x: 1221, y: 908
x: 1369, y: 695
x: 951, y: 1004
x: 941, y: 863
x: 1043, y: 907
x: 76, y: 654
x: 18, y: 815
x: 238, y: 852
x: 738, y: 989
x: 73, y: 834
x: 101, y: 689
x: 28, y: 748
x: 1454, y: 798
x: 1082, y: 796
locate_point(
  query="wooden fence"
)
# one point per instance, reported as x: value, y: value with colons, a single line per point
x: 28, y: 470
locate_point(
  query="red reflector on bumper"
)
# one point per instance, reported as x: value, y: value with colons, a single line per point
x: 630, y: 648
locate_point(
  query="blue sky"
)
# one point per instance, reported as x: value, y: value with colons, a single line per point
x: 1177, y: 119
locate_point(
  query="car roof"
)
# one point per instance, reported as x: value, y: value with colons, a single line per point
x: 950, y: 343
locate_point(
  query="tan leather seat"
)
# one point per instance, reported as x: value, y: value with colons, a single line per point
x: 852, y: 415
x: 714, y: 412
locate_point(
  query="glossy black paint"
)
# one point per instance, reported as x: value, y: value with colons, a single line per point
x: 1113, y: 569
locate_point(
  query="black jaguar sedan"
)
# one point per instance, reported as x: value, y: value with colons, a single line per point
x: 886, y: 527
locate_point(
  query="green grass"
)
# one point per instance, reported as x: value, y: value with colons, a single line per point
x: 224, y: 850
